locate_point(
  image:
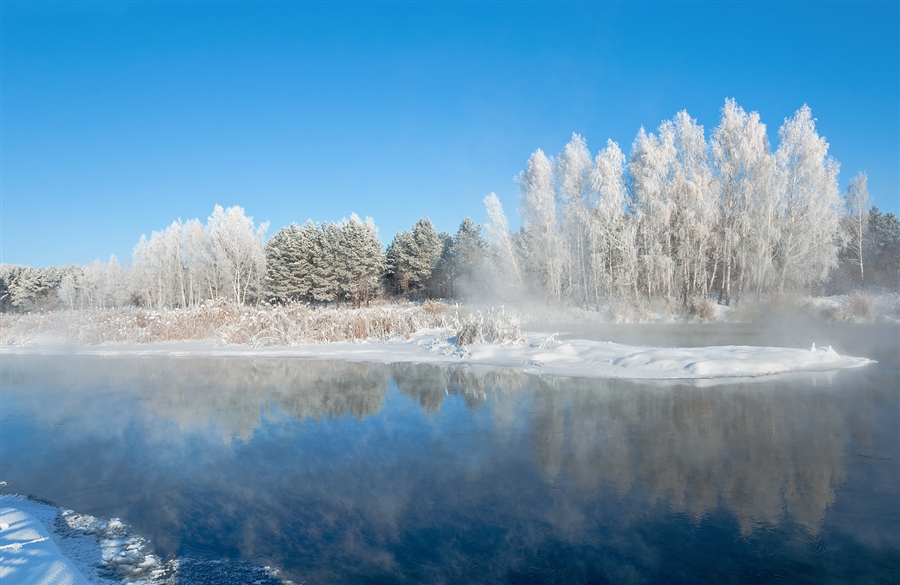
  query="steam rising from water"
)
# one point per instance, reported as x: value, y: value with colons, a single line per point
x: 337, y: 470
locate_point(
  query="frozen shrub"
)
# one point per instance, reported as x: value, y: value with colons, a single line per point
x: 498, y: 326
x: 861, y: 307
x: 833, y: 314
x: 227, y: 323
x: 435, y: 307
x: 747, y: 312
x: 702, y: 308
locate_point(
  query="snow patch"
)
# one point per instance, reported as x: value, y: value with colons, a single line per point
x: 550, y: 356
x: 43, y: 545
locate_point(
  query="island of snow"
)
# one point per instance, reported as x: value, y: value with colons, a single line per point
x: 550, y: 356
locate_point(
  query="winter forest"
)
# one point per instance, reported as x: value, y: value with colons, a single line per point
x: 683, y: 219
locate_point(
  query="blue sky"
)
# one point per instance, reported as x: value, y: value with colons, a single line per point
x: 118, y: 118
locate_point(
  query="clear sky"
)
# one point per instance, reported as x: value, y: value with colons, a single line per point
x: 118, y: 118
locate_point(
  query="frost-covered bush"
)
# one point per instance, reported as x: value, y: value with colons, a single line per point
x: 498, y: 326
x: 227, y: 323
x: 860, y: 306
x: 702, y: 308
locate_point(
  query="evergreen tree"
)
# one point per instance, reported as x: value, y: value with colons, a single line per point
x: 883, y: 250
x: 412, y: 256
x: 361, y: 259
x: 467, y: 256
x: 285, y: 265
x: 323, y: 272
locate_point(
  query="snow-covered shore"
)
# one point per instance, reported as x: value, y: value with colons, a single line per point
x: 542, y: 354
x: 28, y: 554
x: 44, y: 545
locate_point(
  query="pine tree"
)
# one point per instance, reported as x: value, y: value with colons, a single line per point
x: 360, y: 259
x: 413, y: 255
x: 467, y: 256
x: 284, y: 265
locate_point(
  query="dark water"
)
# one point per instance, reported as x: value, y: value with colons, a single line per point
x: 362, y: 473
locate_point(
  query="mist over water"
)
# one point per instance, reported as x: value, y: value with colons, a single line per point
x: 347, y: 472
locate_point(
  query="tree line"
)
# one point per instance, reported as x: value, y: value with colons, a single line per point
x: 680, y: 218
x: 229, y: 258
x: 684, y: 218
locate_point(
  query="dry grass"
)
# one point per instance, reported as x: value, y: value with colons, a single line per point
x: 228, y: 324
x: 861, y: 306
x: 498, y: 326
x: 703, y: 309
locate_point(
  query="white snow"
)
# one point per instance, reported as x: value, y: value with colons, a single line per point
x: 44, y: 545
x: 542, y: 355
x: 28, y: 555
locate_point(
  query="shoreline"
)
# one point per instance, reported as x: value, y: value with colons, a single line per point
x: 537, y: 354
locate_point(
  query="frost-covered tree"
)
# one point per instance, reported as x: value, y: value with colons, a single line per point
x: 286, y: 265
x: 611, y: 229
x: 7, y: 275
x: 808, y: 204
x: 544, y: 252
x: 573, y: 183
x: 324, y: 283
x: 743, y: 166
x: 440, y: 283
x: 883, y: 249
x: 650, y: 166
x: 237, y: 250
x: 412, y: 256
x: 856, y: 222
x: 506, y: 277
x: 188, y: 263
x: 467, y: 256
x: 30, y: 289
x: 691, y: 189
x: 200, y: 280
x: 360, y: 259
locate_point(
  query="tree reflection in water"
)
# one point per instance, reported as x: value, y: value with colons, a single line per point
x: 324, y: 469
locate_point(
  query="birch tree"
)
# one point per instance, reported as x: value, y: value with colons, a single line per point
x: 537, y: 209
x: 856, y: 221
x: 508, y: 276
x: 808, y: 204
x: 743, y: 168
x: 651, y: 162
x: 611, y: 231
x: 237, y: 248
x: 573, y: 180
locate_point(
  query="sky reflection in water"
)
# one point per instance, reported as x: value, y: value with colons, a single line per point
x: 340, y: 472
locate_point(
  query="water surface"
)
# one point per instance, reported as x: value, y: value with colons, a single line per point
x: 363, y: 473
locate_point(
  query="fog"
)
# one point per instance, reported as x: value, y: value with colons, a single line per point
x: 336, y: 469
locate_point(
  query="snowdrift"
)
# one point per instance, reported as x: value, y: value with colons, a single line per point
x: 549, y: 356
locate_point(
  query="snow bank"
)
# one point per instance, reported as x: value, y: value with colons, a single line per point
x: 546, y: 356
x: 44, y: 545
x: 28, y: 555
